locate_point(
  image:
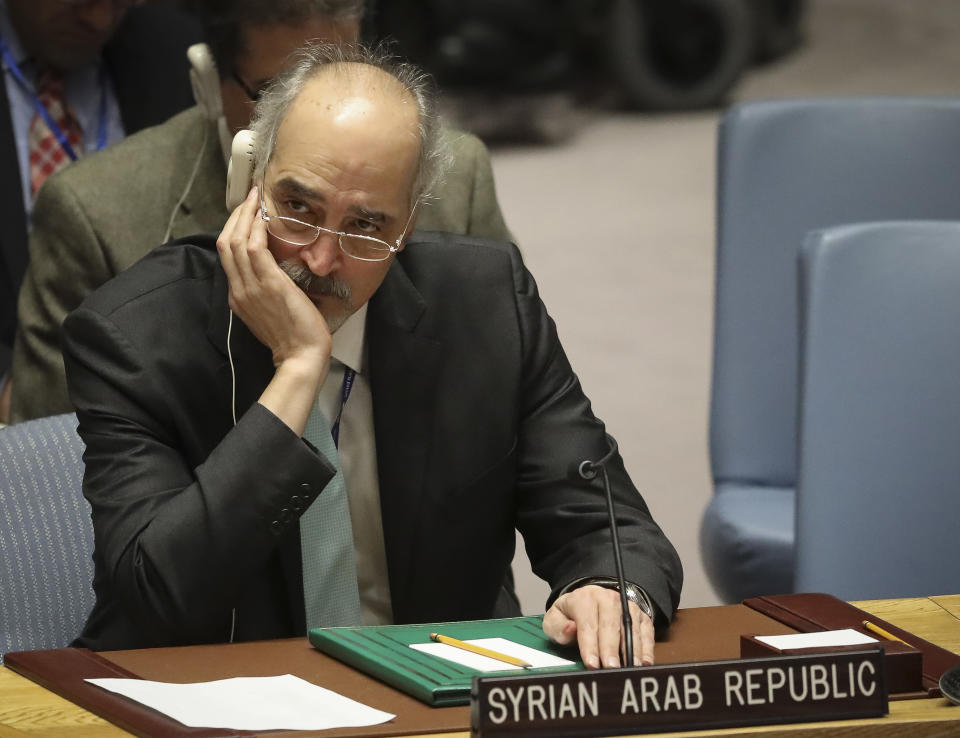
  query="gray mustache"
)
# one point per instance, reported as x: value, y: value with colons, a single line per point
x: 315, y: 283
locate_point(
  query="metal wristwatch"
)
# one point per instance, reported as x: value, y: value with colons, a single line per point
x: 638, y: 597
x: 635, y: 594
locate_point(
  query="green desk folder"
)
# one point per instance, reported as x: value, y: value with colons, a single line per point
x: 383, y: 651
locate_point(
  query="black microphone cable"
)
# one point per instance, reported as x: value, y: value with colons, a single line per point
x: 588, y: 471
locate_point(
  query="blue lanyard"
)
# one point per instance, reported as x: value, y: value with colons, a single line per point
x: 348, y: 377
x: 45, y: 114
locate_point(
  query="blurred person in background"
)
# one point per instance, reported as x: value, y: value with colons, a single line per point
x: 99, y: 217
x: 78, y: 75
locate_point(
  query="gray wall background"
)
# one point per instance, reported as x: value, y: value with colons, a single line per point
x: 618, y: 228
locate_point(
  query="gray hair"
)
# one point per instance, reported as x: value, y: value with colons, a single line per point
x: 276, y: 100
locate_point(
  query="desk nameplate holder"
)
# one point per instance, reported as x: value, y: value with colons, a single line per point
x: 904, y: 663
x: 694, y: 696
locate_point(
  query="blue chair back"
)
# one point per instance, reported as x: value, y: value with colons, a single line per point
x: 46, y: 535
x: 786, y: 168
x: 878, y: 509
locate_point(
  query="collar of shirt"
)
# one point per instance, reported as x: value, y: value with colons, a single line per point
x: 348, y: 341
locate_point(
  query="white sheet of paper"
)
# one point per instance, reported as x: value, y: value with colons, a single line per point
x: 249, y: 703
x: 483, y: 663
x: 823, y: 639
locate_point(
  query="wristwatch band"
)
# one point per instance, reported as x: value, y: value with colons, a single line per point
x: 635, y: 594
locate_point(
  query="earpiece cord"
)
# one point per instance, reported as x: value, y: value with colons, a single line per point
x: 186, y: 190
x: 233, y: 373
x: 207, y: 96
x: 233, y: 411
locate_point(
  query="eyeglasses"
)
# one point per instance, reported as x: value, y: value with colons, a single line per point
x: 253, y: 94
x: 355, y: 245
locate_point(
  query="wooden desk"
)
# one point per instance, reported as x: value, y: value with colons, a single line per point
x: 27, y: 709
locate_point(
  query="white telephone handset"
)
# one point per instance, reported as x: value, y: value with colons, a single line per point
x: 206, y: 91
x: 205, y: 81
x: 240, y: 169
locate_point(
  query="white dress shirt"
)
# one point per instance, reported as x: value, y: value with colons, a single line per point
x: 358, y: 459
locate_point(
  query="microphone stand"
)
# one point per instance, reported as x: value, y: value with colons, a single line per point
x: 588, y: 471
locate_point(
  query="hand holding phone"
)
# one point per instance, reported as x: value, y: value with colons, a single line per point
x: 277, y: 312
x: 266, y: 299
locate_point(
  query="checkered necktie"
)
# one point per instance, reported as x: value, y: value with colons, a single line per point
x: 326, y: 542
x: 46, y: 154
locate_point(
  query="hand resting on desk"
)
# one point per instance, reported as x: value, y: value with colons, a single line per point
x: 592, y: 616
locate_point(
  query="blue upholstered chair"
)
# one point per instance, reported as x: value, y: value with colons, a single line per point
x: 46, y: 535
x: 786, y: 168
x: 878, y: 509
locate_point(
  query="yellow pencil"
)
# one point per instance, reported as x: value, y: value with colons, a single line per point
x: 479, y: 650
x: 881, y: 632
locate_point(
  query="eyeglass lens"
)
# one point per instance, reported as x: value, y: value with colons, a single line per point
x: 298, y: 233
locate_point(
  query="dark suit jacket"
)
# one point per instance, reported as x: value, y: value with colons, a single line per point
x: 147, y: 60
x: 479, y: 424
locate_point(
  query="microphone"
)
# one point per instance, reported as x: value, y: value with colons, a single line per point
x: 588, y: 470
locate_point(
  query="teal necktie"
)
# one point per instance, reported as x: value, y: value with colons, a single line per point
x: 326, y: 543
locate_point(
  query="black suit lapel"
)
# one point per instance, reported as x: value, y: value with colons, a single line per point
x: 404, y: 364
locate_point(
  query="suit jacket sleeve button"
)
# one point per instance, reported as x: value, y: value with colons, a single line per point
x: 306, y: 488
x: 276, y: 527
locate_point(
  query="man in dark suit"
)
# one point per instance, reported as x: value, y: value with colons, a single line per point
x: 119, y: 72
x: 198, y: 374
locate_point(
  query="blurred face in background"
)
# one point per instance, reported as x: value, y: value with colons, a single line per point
x: 66, y: 34
x: 264, y: 51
